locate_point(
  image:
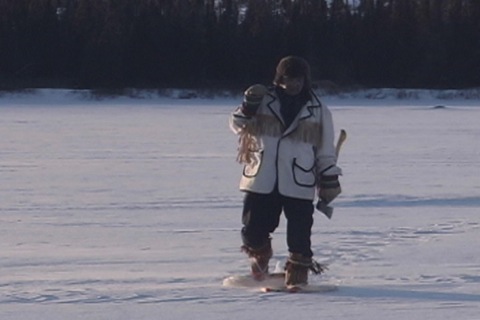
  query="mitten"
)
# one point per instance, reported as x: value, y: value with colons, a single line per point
x: 252, y: 99
x: 329, y: 188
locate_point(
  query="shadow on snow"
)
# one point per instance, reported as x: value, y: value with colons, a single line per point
x: 406, y: 201
x: 409, y: 294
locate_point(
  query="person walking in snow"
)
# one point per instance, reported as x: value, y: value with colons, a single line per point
x: 286, y: 144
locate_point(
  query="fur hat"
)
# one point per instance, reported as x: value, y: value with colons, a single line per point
x: 293, y: 66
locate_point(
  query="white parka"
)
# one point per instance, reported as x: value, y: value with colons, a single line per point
x: 293, y: 158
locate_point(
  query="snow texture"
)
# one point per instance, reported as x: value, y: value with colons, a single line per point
x: 128, y: 209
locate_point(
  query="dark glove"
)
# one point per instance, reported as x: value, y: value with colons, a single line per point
x: 329, y: 188
x: 252, y: 99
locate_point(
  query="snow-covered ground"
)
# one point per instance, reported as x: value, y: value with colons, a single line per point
x: 128, y: 209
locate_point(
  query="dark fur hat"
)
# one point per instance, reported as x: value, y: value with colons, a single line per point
x: 293, y: 66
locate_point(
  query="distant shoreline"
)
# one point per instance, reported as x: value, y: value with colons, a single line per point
x: 372, y: 96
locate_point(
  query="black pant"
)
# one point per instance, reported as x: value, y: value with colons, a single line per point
x: 261, y: 216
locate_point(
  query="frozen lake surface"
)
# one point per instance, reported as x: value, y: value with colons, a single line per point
x: 129, y: 209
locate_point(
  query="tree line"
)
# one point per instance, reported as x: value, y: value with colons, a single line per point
x: 228, y: 43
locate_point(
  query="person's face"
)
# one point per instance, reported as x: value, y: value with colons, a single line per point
x: 292, y: 85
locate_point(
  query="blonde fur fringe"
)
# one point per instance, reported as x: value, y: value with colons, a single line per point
x: 246, y: 145
x: 306, y: 132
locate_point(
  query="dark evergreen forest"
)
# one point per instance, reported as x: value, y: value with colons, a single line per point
x: 230, y: 43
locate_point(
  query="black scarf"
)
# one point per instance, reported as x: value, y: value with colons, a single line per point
x: 290, y: 106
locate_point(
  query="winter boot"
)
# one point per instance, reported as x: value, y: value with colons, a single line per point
x: 297, y: 267
x: 259, y: 259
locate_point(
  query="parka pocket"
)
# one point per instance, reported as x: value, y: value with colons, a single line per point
x: 251, y: 170
x: 303, y: 175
